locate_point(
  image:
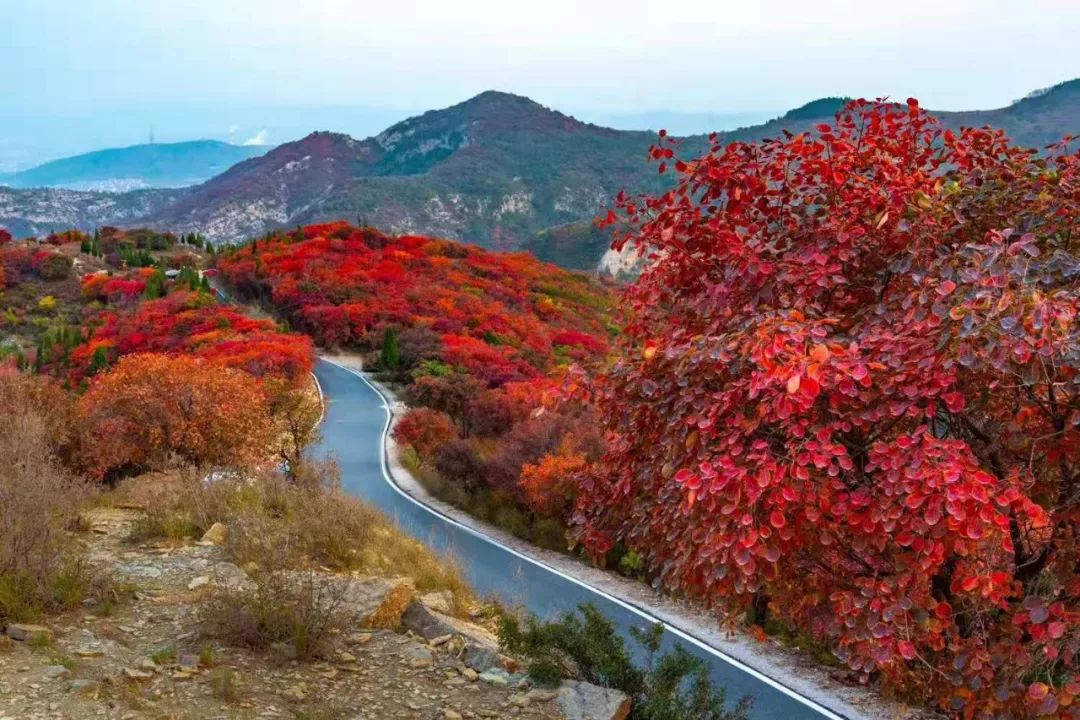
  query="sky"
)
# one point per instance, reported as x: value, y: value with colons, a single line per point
x: 223, y: 61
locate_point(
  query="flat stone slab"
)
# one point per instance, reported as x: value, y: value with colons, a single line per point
x: 585, y: 701
x: 26, y: 632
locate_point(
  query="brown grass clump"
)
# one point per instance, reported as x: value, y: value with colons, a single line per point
x: 297, y: 612
x: 39, y: 503
x: 280, y: 524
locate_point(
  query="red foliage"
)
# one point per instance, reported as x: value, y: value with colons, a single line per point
x: 572, y: 338
x: 112, y: 289
x: 425, y: 430
x: 66, y: 237
x: 850, y: 389
x: 549, y: 485
x: 196, y: 324
x: 5, y: 236
x: 480, y: 335
x: 499, y: 315
x: 151, y: 407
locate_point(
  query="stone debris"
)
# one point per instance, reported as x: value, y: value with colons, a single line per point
x: 442, y: 601
x: 148, y: 657
x: 198, y: 582
x: 56, y: 671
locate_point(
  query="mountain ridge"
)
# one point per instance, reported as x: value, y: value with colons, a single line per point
x: 157, y: 165
x: 498, y: 169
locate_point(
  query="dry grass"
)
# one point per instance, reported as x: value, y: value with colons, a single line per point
x: 276, y: 524
x: 300, y: 612
x: 40, y: 569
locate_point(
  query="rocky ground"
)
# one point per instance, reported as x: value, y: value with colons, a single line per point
x: 147, y: 657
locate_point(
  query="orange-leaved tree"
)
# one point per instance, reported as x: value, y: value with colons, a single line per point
x: 425, y: 430
x: 151, y: 409
x: 849, y: 396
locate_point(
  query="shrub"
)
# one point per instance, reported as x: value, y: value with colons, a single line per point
x: 585, y: 645
x: 458, y: 463
x: 849, y: 387
x: 52, y: 266
x: 450, y: 394
x: 299, y: 610
x: 425, y: 430
x: 39, y: 499
x: 150, y: 409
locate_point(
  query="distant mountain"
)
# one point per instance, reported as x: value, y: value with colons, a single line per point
x: 167, y: 165
x: 494, y: 170
x: 1037, y: 120
x: 499, y: 170
x: 1041, y: 118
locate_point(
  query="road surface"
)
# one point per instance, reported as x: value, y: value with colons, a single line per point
x: 354, y: 429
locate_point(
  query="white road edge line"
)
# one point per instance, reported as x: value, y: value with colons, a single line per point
x: 322, y: 401
x: 734, y: 662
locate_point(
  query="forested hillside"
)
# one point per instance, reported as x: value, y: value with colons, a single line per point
x: 474, y: 340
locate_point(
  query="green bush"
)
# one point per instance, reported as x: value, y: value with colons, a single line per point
x: 670, y: 686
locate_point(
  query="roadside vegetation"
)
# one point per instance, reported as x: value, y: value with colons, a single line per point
x: 672, y: 685
x: 110, y: 368
x: 41, y: 570
x: 279, y: 523
x: 847, y: 402
x: 475, y: 342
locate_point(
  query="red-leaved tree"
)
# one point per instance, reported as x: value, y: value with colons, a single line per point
x: 849, y: 395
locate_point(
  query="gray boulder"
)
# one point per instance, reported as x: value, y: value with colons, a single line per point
x: 585, y: 701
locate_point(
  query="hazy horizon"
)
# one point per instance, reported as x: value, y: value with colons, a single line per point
x: 84, y: 76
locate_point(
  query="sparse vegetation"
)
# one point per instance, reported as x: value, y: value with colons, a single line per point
x: 293, y: 612
x: 585, y: 645
x: 279, y: 524
x: 39, y: 500
x: 225, y: 685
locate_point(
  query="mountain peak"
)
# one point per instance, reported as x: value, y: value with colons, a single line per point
x: 496, y: 98
x: 822, y: 107
x: 488, y: 113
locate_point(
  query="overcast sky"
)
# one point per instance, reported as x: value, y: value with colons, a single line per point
x: 694, y: 55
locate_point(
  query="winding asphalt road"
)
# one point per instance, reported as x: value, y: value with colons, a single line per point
x: 356, y: 422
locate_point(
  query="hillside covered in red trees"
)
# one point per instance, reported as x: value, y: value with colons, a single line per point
x: 158, y: 369
x: 475, y: 339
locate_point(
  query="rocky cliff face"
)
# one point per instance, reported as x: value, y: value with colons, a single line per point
x: 40, y: 211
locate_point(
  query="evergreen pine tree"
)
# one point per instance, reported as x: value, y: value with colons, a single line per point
x: 155, y: 285
x: 389, y: 358
x: 98, y: 361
